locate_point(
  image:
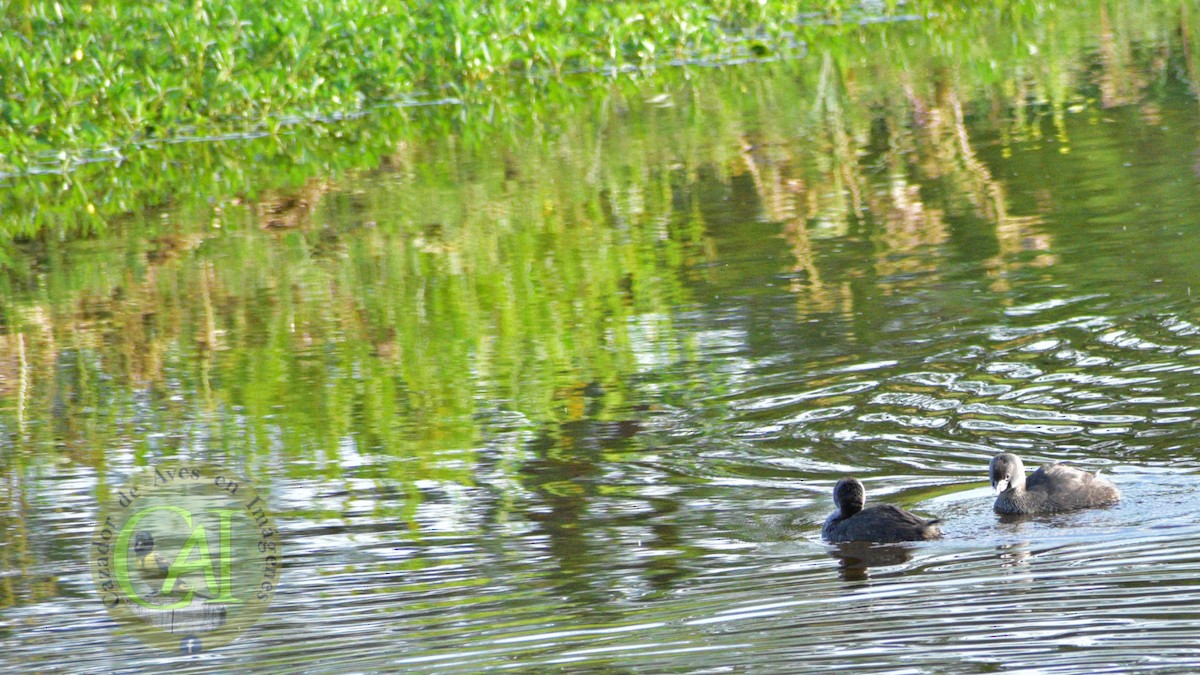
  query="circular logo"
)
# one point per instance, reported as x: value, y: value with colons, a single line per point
x: 186, y: 554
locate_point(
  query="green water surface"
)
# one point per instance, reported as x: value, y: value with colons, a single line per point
x: 570, y: 390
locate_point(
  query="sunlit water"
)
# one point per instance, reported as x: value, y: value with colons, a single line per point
x: 679, y: 531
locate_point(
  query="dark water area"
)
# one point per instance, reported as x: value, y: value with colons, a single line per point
x: 560, y: 412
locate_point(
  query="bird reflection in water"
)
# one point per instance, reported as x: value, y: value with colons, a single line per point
x: 856, y: 558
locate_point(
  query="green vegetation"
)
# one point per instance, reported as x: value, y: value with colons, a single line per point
x: 93, y: 79
x: 204, y: 104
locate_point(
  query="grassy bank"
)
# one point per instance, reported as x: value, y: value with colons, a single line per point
x: 85, y: 77
x: 107, y: 111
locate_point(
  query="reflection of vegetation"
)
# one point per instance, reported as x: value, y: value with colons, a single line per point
x: 391, y: 286
x: 376, y: 326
